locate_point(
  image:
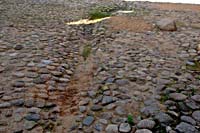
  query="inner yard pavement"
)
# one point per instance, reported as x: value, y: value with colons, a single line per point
x: 136, y: 72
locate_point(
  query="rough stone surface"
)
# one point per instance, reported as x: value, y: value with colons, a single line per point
x: 150, y: 110
x: 186, y: 128
x: 58, y: 77
x: 167, y: 24
x: 188, y: 119
x: 111, y: 128
x: 88, y: 120
x: 98, y: 127
x: 146, y: 124
x: 124, y: 128
x: 29, y: 125
x: 96, y: 108
x: 164, y: 118
x: 120, y: 110
x: 143, y: 131
x: 107, y: 100
x: 33, y: 117
x: 196, y: 98
x: 18, y: 47
x: 82, y: 108
x: 5, y: 105
x: 196, y: 115
x: 177, y: 96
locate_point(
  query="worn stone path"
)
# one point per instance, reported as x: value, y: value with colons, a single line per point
x: 141, y: 74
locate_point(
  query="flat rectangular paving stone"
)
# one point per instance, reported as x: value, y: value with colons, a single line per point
x: 88, y: 120
x: 107, y: 100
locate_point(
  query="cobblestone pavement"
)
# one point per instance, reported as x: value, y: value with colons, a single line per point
x: 138, y: 77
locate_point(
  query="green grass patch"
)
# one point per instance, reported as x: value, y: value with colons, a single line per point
x: 195, y: 67
x: 130, y: 120
x: 198, y: 77
x: 102, y: 12
x: 98, y: 15
x: 180, y: 24
x: 160, y: 128
x: 86, y: 51
x: 164, y: 98
x: 194, y: 91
